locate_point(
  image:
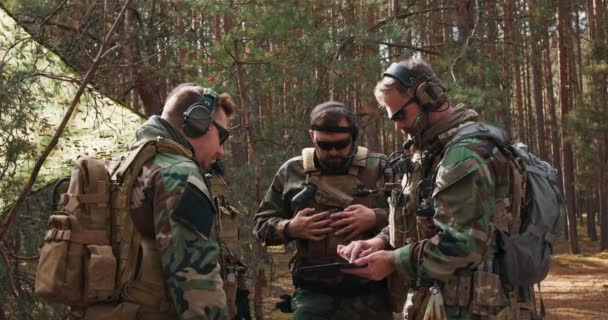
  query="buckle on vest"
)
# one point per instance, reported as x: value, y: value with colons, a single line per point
x: 50, y: 234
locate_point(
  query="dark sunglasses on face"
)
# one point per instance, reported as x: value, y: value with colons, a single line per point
x: 222, y: 132
x: 328, y: 145
x: 400, y: 115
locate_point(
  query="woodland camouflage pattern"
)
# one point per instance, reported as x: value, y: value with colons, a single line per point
x: 276, y: 208
x: 368, y: 301
x: 471, y: 177
x: 172, y: 204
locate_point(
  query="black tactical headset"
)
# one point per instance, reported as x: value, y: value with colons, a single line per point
x: 429, y: 94
x: 199, y: 116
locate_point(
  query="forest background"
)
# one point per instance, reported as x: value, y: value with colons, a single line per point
x: 538, y: 68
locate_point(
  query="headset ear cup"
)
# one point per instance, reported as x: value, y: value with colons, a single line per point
x: 430, y: 96
x: 423, y: 97
x: 197, y: 120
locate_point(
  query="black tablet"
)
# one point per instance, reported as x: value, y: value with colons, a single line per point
x: 329, y: 267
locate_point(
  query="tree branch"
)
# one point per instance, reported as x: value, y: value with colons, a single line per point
x: 28, y: 188
x: 351, y: 39
x: 403, y: 45
x: 466, y: 42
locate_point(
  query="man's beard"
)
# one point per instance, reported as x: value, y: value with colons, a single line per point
x: 334, y: 163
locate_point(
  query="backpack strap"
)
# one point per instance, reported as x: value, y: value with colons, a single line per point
x: 479, y: 130
x: 359, y: 161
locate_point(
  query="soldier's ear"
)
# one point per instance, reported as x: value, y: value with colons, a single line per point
x: 312, y: 134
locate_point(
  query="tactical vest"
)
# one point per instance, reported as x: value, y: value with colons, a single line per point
x: 227, y: 234
x: 402, y: 207
x: 94, y: 259
x: 334, y: 192
x: 403, y: 225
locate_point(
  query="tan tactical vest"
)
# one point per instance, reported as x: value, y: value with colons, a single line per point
x: 403, y: 229
x: 94, y: 259
x: 333, y: 192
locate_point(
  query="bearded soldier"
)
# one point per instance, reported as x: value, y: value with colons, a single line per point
x: 460, y: 193
x: 328, y: 196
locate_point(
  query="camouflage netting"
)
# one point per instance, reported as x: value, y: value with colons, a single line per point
x: 36, y: 88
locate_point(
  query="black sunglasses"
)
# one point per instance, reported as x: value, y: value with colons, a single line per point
x: 400, y: 115
x: 223, y: 133
x: 328, y: 145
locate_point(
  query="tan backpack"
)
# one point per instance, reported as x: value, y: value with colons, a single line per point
x: 91, y: 247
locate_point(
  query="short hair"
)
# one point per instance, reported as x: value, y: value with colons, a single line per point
x: 419, y: 69
x: 186, y: 94
x: 330, y: 113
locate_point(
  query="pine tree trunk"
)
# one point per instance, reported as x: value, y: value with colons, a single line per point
x: 537, y: 74
x: 603, y: 199
x: 565, y: 82
x: 368, y: 102
x: 555, y: 141
x: 147, y: 90
x: 591, y: 213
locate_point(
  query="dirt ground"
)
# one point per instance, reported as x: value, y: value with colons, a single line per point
x: 576, y: 287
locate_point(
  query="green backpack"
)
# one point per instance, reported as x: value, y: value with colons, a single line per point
x: 524, y: 255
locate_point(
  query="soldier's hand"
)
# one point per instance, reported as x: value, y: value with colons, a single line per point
x: 360, y: 248
x: 353, y: 221
x: 379, y: 266
x: 306, y: 225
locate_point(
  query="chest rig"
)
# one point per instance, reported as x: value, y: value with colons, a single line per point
x: 411, y: 204
x: 333, y: 192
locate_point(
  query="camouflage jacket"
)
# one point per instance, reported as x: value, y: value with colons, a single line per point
x: 171, y: 203
x: 276, y: 210
x: 470, y: 178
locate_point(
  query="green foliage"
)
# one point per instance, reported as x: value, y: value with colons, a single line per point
x: 33, y: 100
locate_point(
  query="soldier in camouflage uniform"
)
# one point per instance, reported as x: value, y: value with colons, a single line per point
x: 464, y: 188
x: 172, y: 204
x: 346, y: 179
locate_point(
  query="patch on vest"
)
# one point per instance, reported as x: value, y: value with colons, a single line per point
x: 194, y: 209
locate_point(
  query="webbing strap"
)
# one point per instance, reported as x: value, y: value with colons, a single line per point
x: 542, y: 303
x: 517, y: 194
x: 98, y: 237
x: 308, y: 162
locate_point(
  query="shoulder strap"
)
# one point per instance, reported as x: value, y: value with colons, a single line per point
x: 308, y: 160
x: 146, y: 151
x: 359, y: 161
x: 479, y: 130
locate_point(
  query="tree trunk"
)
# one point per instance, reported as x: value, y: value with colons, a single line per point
x: 591, y: 213
x: 368, y: 102
x: 258, y: 297
x: 536, y: 61
x: 565, y: 81
x: 512, y: 68
x: 507, y: 67
x: 237, y: 146
x: 144, y: 82
x: 550, y: 98
x: 529, y: 115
